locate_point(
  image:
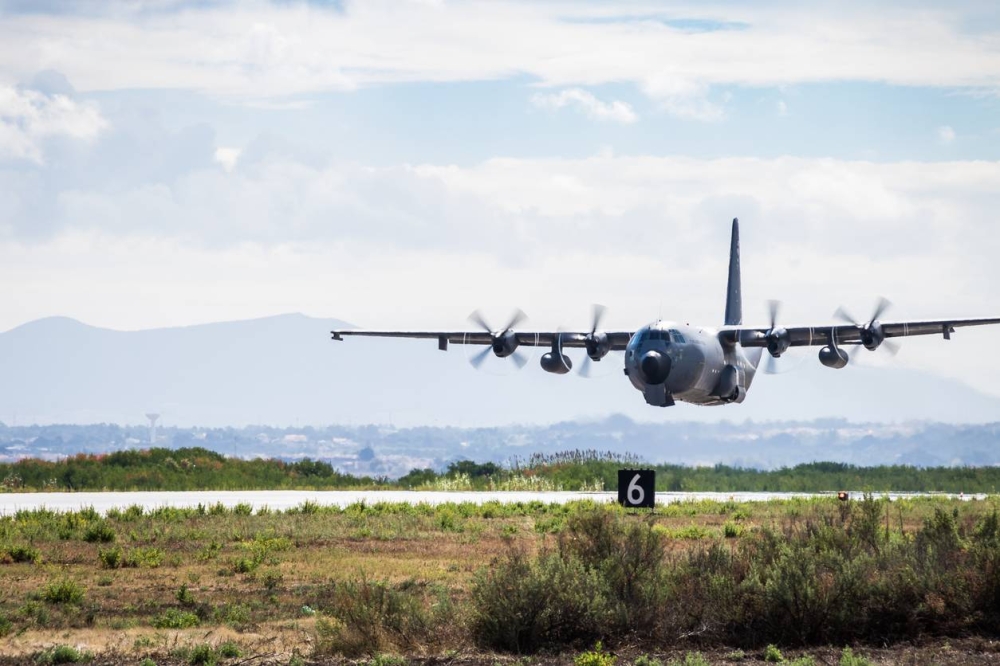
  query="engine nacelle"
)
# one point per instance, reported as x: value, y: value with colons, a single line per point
x: 833, y: 357
x: 598, y: 345
x: 505, y: 344
x: 556, y: 363
x: 778, y: 341
x: 872, y: 335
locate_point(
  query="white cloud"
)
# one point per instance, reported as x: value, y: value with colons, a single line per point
x: 255, y: 51
x: 782, y: 108
x: 227, y: 157
x: 616, y: 111
x: 28, y: 117
x: 945, y: 134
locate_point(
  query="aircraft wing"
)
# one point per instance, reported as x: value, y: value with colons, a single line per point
x: 617, y: 339
x: 807, y: 336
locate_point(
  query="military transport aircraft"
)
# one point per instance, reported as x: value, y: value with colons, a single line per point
x: 668, y: 361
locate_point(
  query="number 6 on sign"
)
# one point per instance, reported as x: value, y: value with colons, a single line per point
x: 636, y: 488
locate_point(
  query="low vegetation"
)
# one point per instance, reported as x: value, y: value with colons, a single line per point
x: 201, y: 469
x: 688, y: 583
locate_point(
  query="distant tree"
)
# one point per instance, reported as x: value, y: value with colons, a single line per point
x: 366, y: 454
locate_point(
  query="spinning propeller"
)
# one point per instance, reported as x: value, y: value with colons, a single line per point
x: 503, y: 341
x: 778, y: 340
x: 596, y: 342
x: 872, y: 335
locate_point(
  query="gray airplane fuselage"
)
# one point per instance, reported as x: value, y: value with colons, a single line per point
x: 668, y: 362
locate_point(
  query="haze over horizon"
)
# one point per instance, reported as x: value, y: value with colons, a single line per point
x: 399, y: 164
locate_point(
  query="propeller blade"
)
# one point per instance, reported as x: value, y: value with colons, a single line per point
x: 519, y: 359
x: 477, y: 318
x: 586, y: 367
x: 883, y: 305
x: 844, y: 316
x: 891, y: 346
x: 515, y: 319
x: 599, y: 311
x: 773, y: 308
x: 478, y: 359
x: 771, y: 365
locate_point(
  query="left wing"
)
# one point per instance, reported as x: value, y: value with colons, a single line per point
x: 807, y: 336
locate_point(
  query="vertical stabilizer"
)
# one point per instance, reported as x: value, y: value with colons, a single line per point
x: 734, y: 292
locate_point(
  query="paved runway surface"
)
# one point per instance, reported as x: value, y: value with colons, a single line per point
x: 285, y: 499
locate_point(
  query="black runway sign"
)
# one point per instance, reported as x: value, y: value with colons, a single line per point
x: 637, y: 488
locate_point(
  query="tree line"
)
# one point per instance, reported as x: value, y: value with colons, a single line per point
x: 196, y: 468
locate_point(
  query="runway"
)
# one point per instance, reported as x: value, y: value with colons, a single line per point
x: 10, y: 503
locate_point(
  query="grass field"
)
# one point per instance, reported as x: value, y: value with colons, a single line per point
x: 913, y: 581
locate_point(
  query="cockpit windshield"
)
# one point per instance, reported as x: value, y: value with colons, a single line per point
x: 655, y: 334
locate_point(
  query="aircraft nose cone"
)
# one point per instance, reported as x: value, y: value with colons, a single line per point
x: 655, y: 367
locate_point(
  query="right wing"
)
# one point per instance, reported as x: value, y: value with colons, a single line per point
x: 616, y: 339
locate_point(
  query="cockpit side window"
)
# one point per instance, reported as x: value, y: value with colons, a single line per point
x: 677, y: 337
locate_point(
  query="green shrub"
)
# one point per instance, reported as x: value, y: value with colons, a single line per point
x: 691, y: 659
x: 595, y: 657
x: 147, y: 662
x: 387, y: 660
x: 184, y: 595
x: 372, y: 617
x: 773, y: 655
x: 63, y: 654
x: 111, y: 558
x: 520, y: 605
x: 731, y: 530
x: 202, y: 655
x: 64, y: 591
x: 99, y: 532
x: 230, y: 650
x: 848, y: 658
x: 645, y: 660
x: 148, y: 557
x: 175, y: 619
x: 23, y: 554
x: 6, y: 626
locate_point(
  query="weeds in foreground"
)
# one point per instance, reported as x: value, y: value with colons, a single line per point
x: 595, y: 657
x: 64, y: 591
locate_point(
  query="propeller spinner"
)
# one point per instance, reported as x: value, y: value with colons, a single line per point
x: 503, y: 341
x: 872, y: 335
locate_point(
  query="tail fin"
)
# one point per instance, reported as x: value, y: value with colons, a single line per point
x: 734, y: 293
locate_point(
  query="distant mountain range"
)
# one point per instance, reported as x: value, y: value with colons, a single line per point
x: 284, y: 370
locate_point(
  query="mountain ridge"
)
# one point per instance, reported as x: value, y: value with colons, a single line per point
x: 284, y: 369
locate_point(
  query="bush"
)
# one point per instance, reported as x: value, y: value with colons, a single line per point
x: 6, y: 626
x: 519, y: 605
x: 848, y: 658
x: 63, y: 592
x: 371, y: 617
x: 644, y: 660
x: 607, y: 578
x: 63, y: 654
x: 175, y: 619
x: 184, y: 595
x: 99, y: 532
x: 111, y: 558
x: 202, y: 655
x: 773, y: 655
x: 25, y: 554
x: 691, y: 659
x: 595, y: 657
x: 230, y: 650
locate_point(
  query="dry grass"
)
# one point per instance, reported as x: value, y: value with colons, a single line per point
x: 248, y: 578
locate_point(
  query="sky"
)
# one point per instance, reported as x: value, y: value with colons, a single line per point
x: 398, y: 164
